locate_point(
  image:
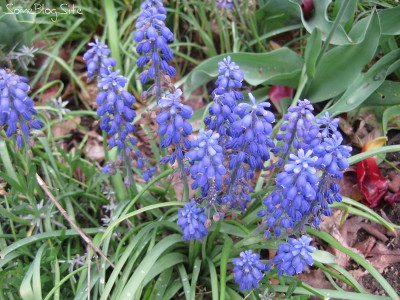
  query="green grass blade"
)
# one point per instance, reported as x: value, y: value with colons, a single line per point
x: 214, y: 279
x: 111, y: 17
x: 226, y: 250
x: 137, y: 278
x: 195, y: 276
x: 185, y: 281
x: 361, y: 156
x: 41, y: 236
x: 161, y: 284
x: 331, y: 294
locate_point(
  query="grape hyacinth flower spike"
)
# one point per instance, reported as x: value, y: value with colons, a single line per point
x: 293, y: 257
x: 249, y: 144
x: 248, y: 270
x: 225, y: 97
x: 152, y: 36
x: 174, y: 126
x: 296, y: 190
x: 298, y: 131
x: 115, y: 109
x: 17, y: 108
x: 206, y: 162
x: 98, y: 59
x: 332, y: 160
x: 192, y: 220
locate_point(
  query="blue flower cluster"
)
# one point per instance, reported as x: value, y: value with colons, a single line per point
x: 153, y: 37
x: 299, y: 131
x: 173, y: 125
x: 225, y: 4
x: 296, y: 189
x: 292, y: 257
x: 206, y: 162
x: 249, y: 144
x: 225, y: 97
x: 332, y: 159
x: 301, y: 196
x: 115, y: 107
x: 234, y: 145
x: 17, y: 108
x: 98, y: 57
x: 248, y: 270
x: 192, y: 220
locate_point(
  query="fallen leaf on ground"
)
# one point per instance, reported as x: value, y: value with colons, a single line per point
x: 65, y: 127
x: 279, y: 92
x: 381, y: 257
x: 366, y: 245
x: 316, y: 278
x: 372, y: 184
x: 349, y: 184
x: 392, y: 198
x: 95, y: 150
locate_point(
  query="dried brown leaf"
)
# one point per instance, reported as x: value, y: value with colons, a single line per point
x: 94, y: 150
x: 65, y: 127
x: 381, y: 257
x: 316, y: 279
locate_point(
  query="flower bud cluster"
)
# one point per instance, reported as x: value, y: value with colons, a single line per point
x: 98, y: 57
x: 332, y: 160
x: 296, y: 190
x: 302, y: 196
x: 291, y: 258
x: 17, y: 108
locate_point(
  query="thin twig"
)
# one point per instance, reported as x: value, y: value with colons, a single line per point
x: 83, y: 235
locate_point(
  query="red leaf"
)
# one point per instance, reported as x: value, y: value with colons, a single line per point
x: 278, y: 92
x: 392, y: 198
x: 307, y: 6
x: 372, y: 184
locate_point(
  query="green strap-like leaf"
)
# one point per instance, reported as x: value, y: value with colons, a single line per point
x: 338, y: 67
x: 282, y: 66
x: 366, y: 84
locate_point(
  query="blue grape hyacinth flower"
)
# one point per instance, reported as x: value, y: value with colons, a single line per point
x: 173, y: 125
x: 225, y: 4
x: 115, y: 107
x: 332, y: 160
x: 98, y: 58
x: 152, y: 36
x: 17, y: 108
x: 293, y: 257
x: 248, y: 270
x: 249, y: 144
x: 226, y: 97
x: 296, y: 190
x: 206, y: 162
x: 192, y: 221
x: 298, y: 131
